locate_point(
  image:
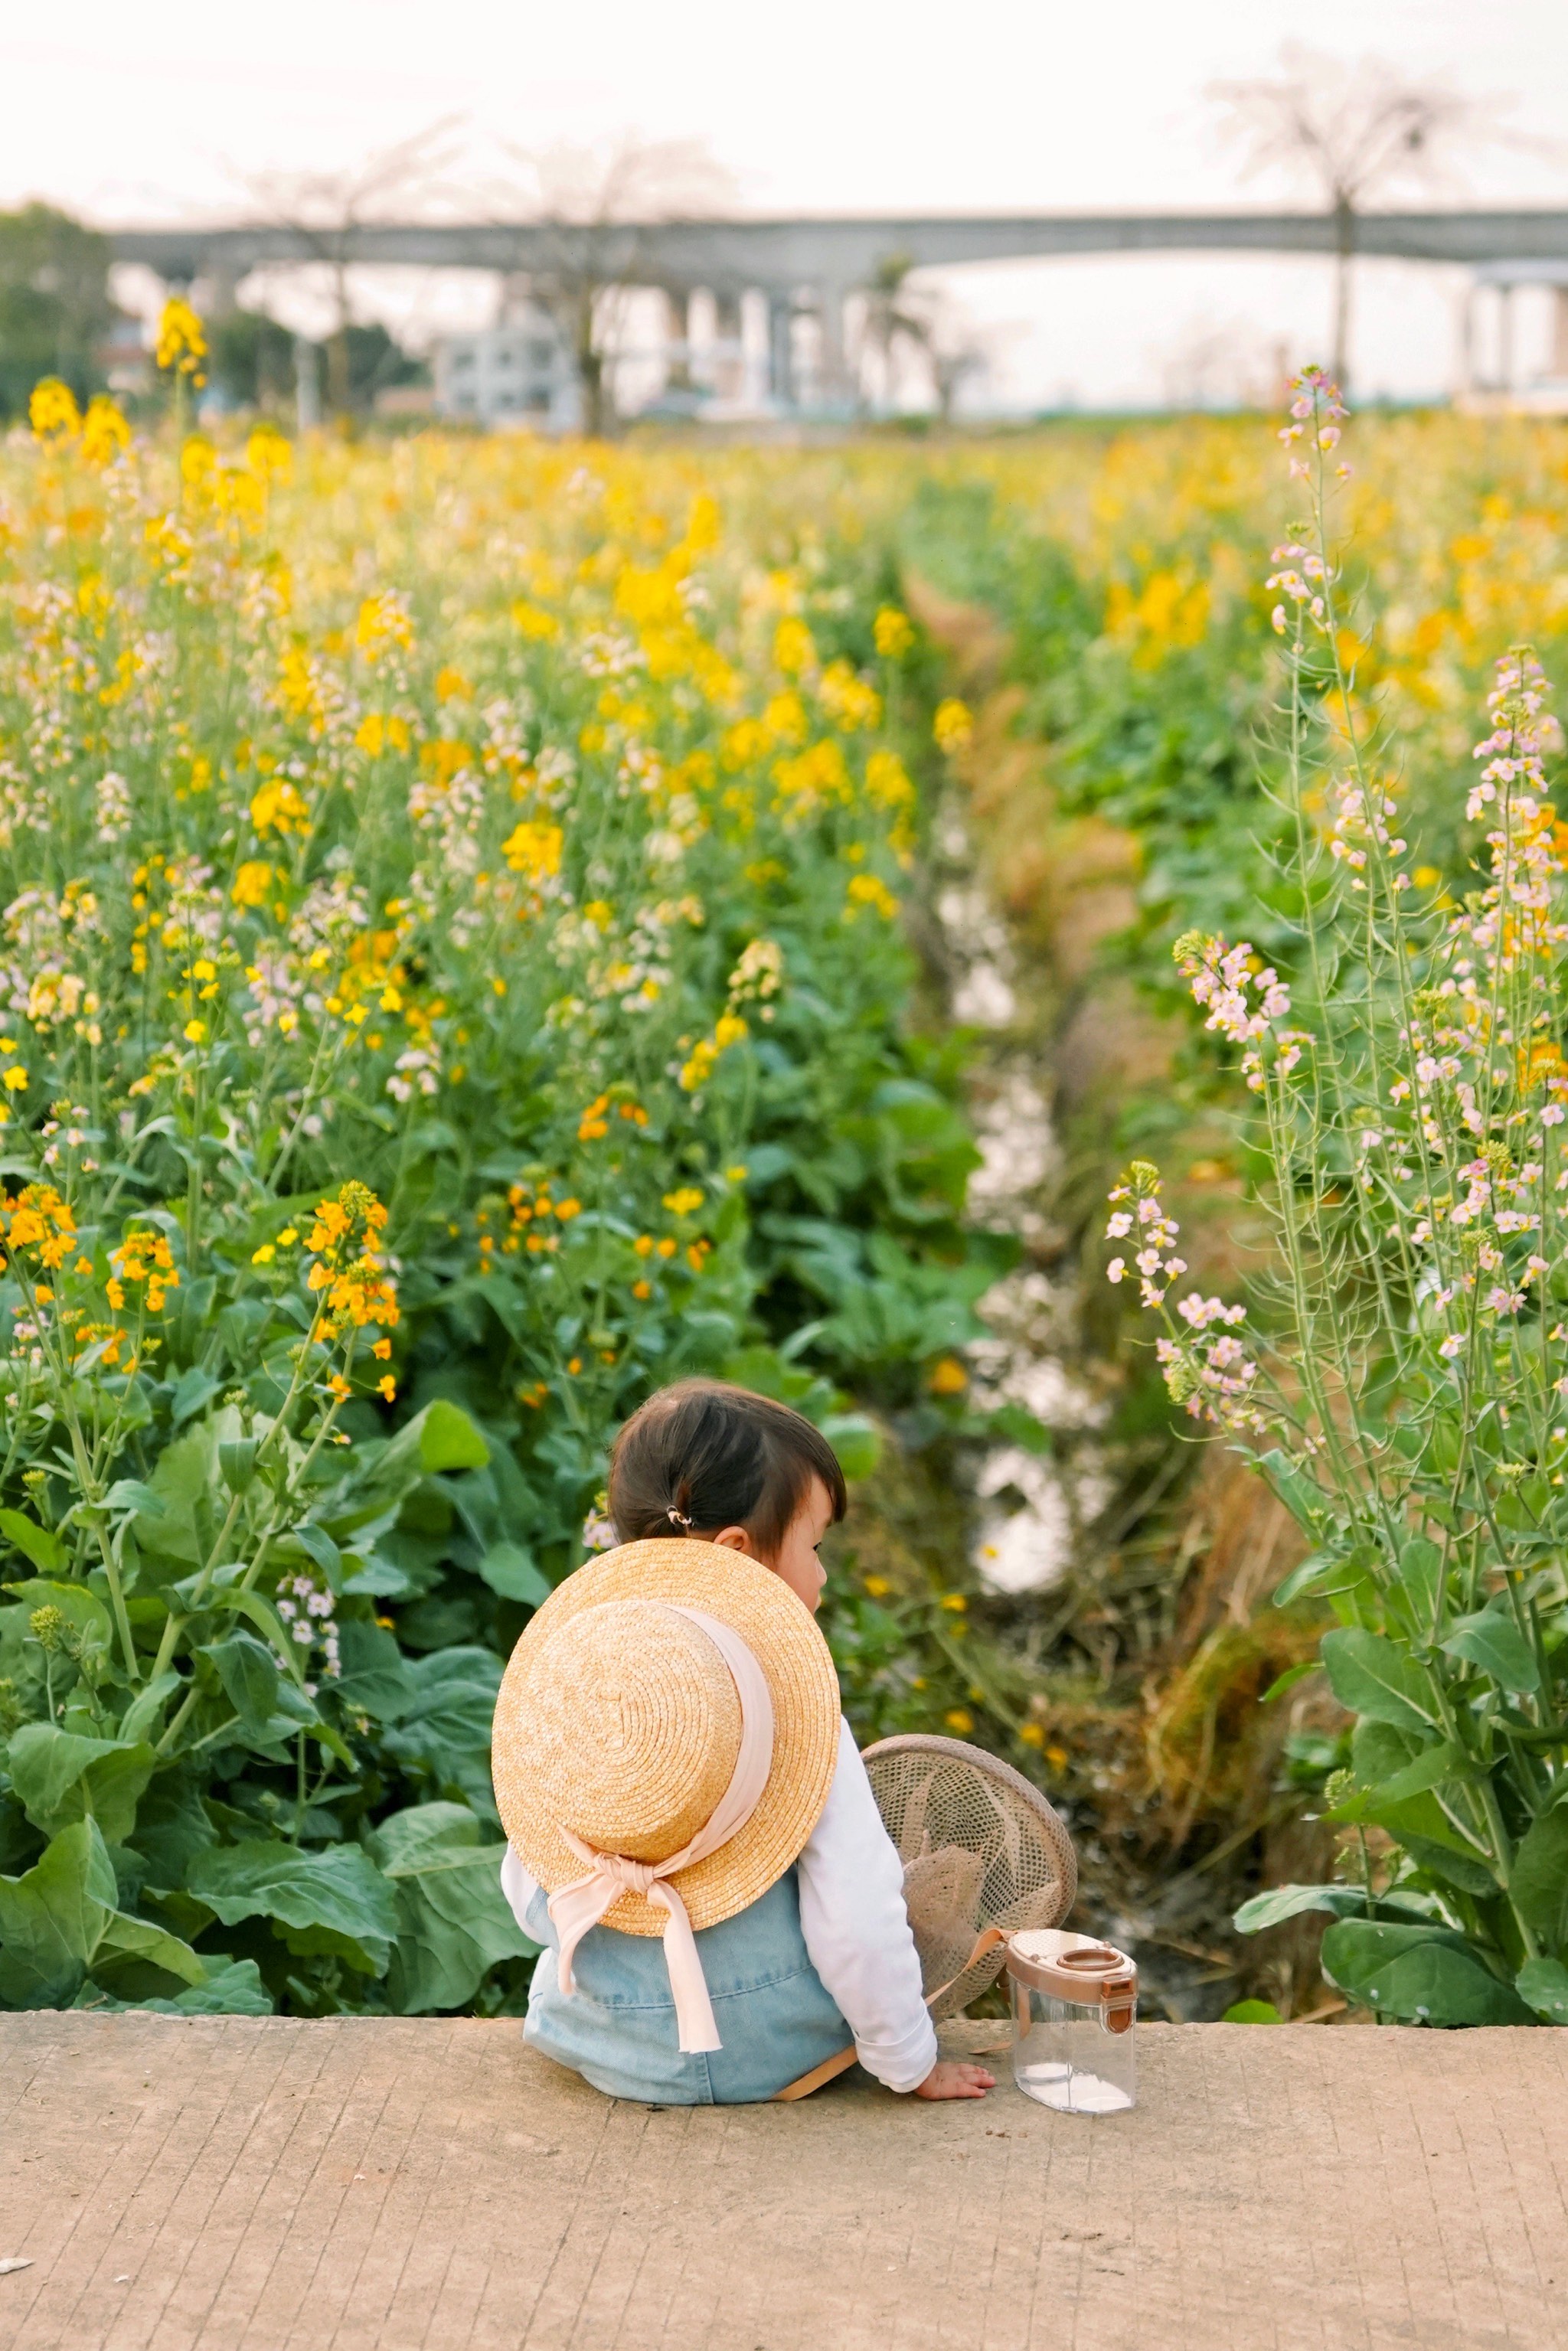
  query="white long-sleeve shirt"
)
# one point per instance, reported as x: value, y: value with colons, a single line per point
x: 855, y: 1926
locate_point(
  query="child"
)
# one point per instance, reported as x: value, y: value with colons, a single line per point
x: 670, y: 1725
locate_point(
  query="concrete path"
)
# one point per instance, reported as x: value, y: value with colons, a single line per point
x: 242, y: 2185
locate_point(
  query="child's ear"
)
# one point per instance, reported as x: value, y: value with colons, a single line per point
x: 735, y: 1539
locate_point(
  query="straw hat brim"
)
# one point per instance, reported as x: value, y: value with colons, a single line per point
x: 783, y: 1637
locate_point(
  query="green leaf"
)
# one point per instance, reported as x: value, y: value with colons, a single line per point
x: 1377, y: 1751
x: 1312, y: 1574
x: 60, y: 1920
x: 147, y: 1705
x: 233, y: 1988
x: 1441, y: 1857
x: 339, y: 1892
x: 34, y: 1542
x: 62, y: 1777
x: 317, y: 1545
x: 448, y: 1439
x: 375, y: 1578
x: 856, y: 1440
x: 124, y: 1941
x: 375, y: 1678
x: 1368, y: 1675
x: 1493, y: 1641
x: 1282, y: 1902
x: 1431, y: 1768
x: 173, y: 1827
x: 509, y: 1571
x: 1538, y: 1880
x: 453, y: 1922
x: 1298, y: 1492
x: 1423, y: 1975
x: 236, y: 1461
x: 1421, y: 1572
x: 50, y: 1919
x: 248, y: 1672
x: 1252, y: 2011
x: 440, y: 1438
x: 1288, y: 1680
x: 181, y: 1480
x: 131, y: 1494
x: 446, y: 1731
x: 194, y: 1389
x: 263, y: 1615
x: 1543, y: 1985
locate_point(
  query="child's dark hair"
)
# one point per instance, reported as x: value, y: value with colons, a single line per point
x: 702, y: 1455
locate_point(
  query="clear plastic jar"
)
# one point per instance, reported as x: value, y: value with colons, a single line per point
x: 1074, y: 2003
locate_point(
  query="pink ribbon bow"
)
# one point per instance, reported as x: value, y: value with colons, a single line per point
x: 574, y: 1908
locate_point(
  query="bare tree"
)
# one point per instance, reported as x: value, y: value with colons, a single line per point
x: 598, y: 201
x: 324, y: 208
x: 1356, y: 131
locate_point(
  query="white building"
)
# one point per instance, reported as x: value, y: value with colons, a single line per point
x: 519, y: 373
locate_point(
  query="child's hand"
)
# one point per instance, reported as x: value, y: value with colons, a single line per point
x: 950, y: 2079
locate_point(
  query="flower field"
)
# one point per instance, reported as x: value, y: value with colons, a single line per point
x: 1370, y: 909
x: 457, y: 972
x: 452, y: 984
x: 1128, y: 568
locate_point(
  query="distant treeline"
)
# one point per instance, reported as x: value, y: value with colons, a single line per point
x: 58, y: 318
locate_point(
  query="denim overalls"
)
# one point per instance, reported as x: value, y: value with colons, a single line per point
x: 617, y: 2029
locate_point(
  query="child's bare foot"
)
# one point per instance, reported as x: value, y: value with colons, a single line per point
x: 950, y: 2079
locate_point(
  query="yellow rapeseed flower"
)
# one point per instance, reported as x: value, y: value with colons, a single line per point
x: 52, y: 411
x: 182, y: 340
x: 105, y: 432
x: 952, y: 726
x: 794, y: 648
x: 893, y: 632
x: 534, y: 850
x: 535, y: 622
x: 868, y: 890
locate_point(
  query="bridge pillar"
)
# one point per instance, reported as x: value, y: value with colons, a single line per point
x: 677, y: 340
x: 780, y: 349
x: 834, y: 383
x: 1465, y: 342
x: 729, y: 357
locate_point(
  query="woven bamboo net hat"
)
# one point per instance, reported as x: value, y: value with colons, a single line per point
x: 619, y: 1719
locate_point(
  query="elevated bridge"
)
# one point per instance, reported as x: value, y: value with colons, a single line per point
x: 730, y: 255
x: 811, y: 265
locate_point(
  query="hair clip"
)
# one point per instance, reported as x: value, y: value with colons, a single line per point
x: 679, y: 1517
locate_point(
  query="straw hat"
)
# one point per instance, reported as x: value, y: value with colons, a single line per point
x: 618, y: 1720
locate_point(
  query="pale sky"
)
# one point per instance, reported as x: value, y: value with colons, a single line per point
x: 163, y: 111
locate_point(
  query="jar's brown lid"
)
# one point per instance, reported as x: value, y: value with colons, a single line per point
x: 1072, y: 1967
